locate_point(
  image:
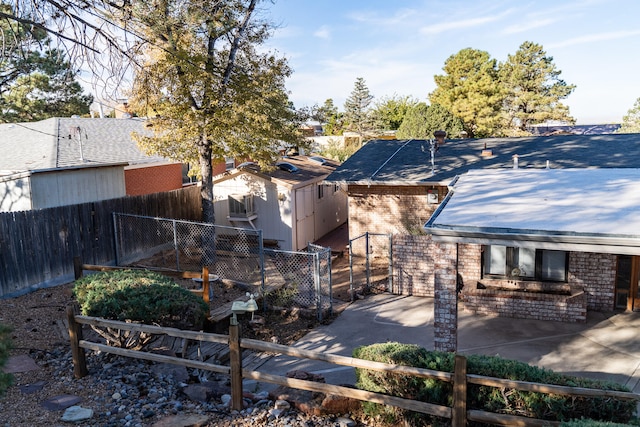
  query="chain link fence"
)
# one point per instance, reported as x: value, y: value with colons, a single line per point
x: 286, y: 279
x: 370, y: 263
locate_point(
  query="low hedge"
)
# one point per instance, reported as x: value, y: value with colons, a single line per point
x: 140, y: 296
x: 5, y: 345
x: 506, y: 401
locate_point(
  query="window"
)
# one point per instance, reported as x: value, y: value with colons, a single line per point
x: 524, y: 263
x: 241, y: 206
x: 229, y: 163
x: 320, y: 191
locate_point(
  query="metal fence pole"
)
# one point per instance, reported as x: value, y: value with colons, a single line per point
x: 330, y: 282
x: 316, y: 279
x: 175, y: 244
x: 367, y: 266
x: 262, y: 268
x: 390, y: 280
x: 351, y: 269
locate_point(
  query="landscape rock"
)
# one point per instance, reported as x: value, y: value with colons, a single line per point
x: 75, y: 414
x: 57, y: 403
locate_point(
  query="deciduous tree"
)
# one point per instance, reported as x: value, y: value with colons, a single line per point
x: 533, y: 89
x: 471, y: 91
x: 389, y: 112
x: 209, y: 90
x: 423, y: 120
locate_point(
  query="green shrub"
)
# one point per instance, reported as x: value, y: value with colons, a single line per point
x: 140, y: 296
x: 5, y: 345
x: 508, y: 401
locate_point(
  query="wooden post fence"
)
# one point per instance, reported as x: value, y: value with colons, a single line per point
x: 235, y: 362
x: 458, y: 413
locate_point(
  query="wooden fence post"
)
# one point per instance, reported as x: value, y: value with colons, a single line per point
x: 75, y: 335
x: 77, y: 267
x: 235, y: 360
x: 205, y: 284
x: 459, y: 415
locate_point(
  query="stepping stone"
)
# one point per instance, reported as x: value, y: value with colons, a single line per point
x: 20, y: 363
x: 75, y: 414
x: 32, y: 388
x: 60, y: 402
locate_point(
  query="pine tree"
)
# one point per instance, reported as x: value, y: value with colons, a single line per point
x: 356, y: 108
x: 631, y: 121
x: 470, y: 90
x: 533, y: 89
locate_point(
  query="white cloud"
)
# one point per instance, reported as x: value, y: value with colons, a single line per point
x: 591, y: 38
x: 463, y: 23
x: 521, y: 28
x: 324, y: 32
x: 400, y: 17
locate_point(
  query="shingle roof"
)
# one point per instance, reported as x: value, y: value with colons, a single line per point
x: 55, y: 143
x: 307, y: 171
x: 408, y: 162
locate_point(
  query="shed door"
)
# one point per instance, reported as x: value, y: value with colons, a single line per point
x: 304, y: 217
x: 627, y: 276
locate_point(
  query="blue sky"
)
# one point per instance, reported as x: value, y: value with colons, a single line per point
x: 398, y: 46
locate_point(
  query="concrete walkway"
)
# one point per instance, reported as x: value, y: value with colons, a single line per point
x: 606, y: 347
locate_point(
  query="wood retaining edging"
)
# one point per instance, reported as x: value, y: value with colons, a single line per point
x: 458, y: 413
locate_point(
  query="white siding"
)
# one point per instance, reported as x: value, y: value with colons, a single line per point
x: 68, y: 187
x: 274, y: 216
x: 330, y: 211
x: 15, y: 195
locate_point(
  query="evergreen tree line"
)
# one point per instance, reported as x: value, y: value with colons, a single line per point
x: 476, y: 96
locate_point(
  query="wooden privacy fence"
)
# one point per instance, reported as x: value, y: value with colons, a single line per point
x: 458, y: 413
x: 37, y: 246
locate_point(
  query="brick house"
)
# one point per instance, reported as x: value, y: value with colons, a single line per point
x: 393, y: 187
x: 76, y: 160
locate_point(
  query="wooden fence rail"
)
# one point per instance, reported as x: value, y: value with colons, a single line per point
x: 458, y: 413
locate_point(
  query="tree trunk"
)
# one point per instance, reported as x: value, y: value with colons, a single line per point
x: 206, y: 191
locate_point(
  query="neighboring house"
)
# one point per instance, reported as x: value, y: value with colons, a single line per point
x: 62, y: 161
x: 551, y: 129
x: 393, y: 187
x: 291, y: 204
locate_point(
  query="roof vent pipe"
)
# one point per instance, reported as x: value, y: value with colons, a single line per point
x: 515, y: 161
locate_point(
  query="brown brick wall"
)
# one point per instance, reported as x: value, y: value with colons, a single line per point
x: 413, y: 265
x: 596, y: 273
x: 389, y: 209
x: 559, y: 308
x: 153, y: 179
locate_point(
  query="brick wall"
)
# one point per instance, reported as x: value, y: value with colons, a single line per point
x: 152, y: 179
x: 469, y: 264
x: 413, y: 265
x: 596, y: 273
x: 389, y: 209
x: 493, y: 302
x: 445, y: 304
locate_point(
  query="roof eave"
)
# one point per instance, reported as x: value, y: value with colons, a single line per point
x: 542, y: 240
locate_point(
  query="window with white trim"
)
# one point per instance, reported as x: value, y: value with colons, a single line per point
x: 229, y: 163
x: 241, y: 205
x: 505, y: 262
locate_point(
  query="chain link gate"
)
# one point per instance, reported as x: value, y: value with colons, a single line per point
x: 299, y: 279
x: 286, y: 279
x: 370, y: 262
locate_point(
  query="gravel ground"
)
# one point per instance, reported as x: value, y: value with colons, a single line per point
x: 122, y: 391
